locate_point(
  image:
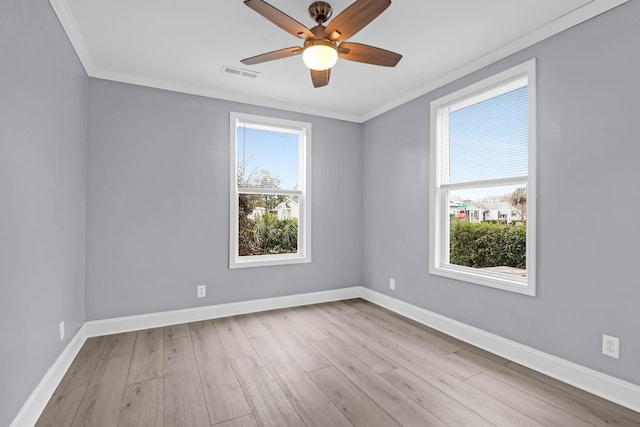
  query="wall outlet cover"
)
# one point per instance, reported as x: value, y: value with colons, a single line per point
x: 611, y: 346
x: 61, y: 327
x: 202, y: 291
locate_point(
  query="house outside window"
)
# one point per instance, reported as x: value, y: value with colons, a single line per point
x: 270, y: 198
x: 483, y: 158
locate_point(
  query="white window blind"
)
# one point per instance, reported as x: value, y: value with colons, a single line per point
x: 489, y: 138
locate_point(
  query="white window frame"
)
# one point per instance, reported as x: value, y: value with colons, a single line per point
x: 303, y: 130
x: 439, y: 203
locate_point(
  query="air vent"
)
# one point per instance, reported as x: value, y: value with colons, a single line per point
x: 239, y: 72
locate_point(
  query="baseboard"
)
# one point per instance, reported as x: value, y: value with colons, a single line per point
x: 40, y: 396
x: 605, y: 386
x: 155, y: 320
x: 35, y: 404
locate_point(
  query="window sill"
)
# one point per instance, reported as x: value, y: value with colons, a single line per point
x: 267, y: 260
x: 521, y: 285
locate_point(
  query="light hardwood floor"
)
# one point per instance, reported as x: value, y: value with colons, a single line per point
x: 336, y: 364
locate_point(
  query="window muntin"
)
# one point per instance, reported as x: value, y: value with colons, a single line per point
x: 269, y: 215
x: 482, y: 183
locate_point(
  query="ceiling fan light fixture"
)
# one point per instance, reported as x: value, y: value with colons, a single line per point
x: 320, y: 55
x: 324, y: 44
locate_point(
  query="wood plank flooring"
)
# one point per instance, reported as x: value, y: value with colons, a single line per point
x: 347, y: 363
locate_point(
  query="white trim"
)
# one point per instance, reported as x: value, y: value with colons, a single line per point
x: 532, y: 185
x: 303, y: 131
x: 487, y: 89
x: 221, y: 94
x: 484, y: 278
x: 41, y: 395
x: 37, y: 401
x: 166, y: 318
x: 603, y: 385
x: 70, y: 26
x: 251, y: 261
x: 485, y: 183
x: 260, y: 190
x: 573, y: 18
x: 519, y: 76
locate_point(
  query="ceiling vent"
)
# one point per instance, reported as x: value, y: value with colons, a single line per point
x: 239, y: 72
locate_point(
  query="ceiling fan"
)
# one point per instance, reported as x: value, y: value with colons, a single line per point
x: 324, y: 44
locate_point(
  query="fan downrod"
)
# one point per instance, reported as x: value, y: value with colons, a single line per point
x: 320, y: 11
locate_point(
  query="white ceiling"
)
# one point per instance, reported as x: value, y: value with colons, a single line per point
x: 181, y: 45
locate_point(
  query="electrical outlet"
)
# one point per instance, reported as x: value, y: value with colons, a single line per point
x: 611, y: 346
x: 392, y: 284
x: 202, y: 291
x: 62, y: 331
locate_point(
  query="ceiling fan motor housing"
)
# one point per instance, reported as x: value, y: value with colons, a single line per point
x: 320, y: 11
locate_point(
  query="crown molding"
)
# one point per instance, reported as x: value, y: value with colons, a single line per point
x: 70, y: 26
x: 218, y: 94
x: 573, y: 18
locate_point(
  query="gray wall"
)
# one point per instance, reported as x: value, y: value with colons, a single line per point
x: 43, y: 100
x: 158, y: 204
x: 588, y: 175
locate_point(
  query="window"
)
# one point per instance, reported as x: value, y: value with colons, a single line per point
x: 269, y: 205
x: 483, y: 154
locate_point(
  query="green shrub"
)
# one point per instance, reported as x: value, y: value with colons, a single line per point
x: 271, y: 235
x: 485, y: 244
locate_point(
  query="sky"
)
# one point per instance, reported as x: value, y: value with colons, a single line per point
x: 273, y: 151
x: 481, y: 146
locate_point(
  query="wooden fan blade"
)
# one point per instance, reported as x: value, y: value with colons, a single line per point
x: 270, y: 56
x: 320, y: 78
x: 354, y: 18
x: 368, y: 54
x: 280, y: 18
